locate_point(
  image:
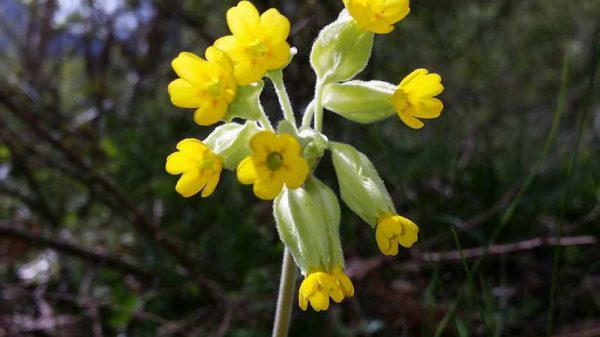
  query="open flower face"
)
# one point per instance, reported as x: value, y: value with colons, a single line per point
x: 393, y: 230
x: 258, y: 42
x: 276, y: 160
x: 199, y: 167
x: 377, y: 16
x: 208, y: 85
x: 414, y: 97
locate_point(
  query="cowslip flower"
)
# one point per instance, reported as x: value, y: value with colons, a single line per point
x: 276, y: 160
x: 414, y: 97
x: 393, y: 230
x: 207, y: 85
x: 318, y: 286
x: 199, y: 167
x: 258, y: 42
x: 377, y: 16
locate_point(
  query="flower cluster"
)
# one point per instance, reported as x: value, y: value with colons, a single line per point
x: 280, y: 162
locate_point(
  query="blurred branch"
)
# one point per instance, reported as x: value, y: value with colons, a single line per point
x: 359, y: 268
x: 498, y: 249
x: 119, y: 201
x: 98, y: 257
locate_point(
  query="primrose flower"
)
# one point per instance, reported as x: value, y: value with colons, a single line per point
x: 393, y: 230
x: 276, y: 159
x: 318, y: 286
x: 258, y: 42
x: 414, y: 97
x: 199, y: 167
x: 208, y: 85
x: 377, y: 16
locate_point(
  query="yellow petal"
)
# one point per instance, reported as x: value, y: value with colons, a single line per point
x: 246, y: 171
x: 247, y: 72
x: 189, y: 184
x: 424, y: 85
x: 396, y: 10
x: 410, y: 77
x: 383, y: 242
x: 263, y: 142
x: 288, y: 146
x: 319, y: 301
x: 190, y: 67
x: 411, y: 121
x: 302, y: 300
x: 219, y: 58
x: 191, y: 145
x: 267, y: 188
x: 345, y: 283
x: 275, y: 26
x: 427, y: 108
x: 211, y: 185
x: 294, y: 171
x: 179, y: 162
x: 210, y: 112
x: 390, y: 227
x: 229, y: 44
x: 278, y: 56
x: 409, y: 236
x: 184, y: 94
x: 243, y: 21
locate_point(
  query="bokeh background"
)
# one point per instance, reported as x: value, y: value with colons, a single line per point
x: 94, y: 241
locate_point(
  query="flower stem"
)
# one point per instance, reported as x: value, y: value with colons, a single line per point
x: 264, y: 120
x: 276, y: 76
x: 308, y: 114
x: 285, y: 299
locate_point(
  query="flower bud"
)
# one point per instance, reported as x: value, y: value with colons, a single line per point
x: 341, y: 50
x: 302, y: 228
x: 361, y: 187
x: 308, y: 221
x: 230, y: 142
x: 360, y: 101
x: 246, y: 104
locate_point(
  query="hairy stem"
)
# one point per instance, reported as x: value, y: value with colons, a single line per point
x: 276, y: 76
x: 308, y: 114
x: 285, y: 299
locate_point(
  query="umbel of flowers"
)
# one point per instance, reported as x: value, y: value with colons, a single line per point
x: 280, y: 163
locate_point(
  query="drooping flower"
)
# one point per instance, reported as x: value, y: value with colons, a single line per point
x: 258, y: 42
x: 393, y: 230
x: 414, y: 97
x: 207, y: 85
x: 318, y: 286
x: 199, y: 167
x: 276, y: 160
x: 377, y: 16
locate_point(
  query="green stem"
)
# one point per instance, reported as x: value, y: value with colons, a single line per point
x: 264, y: 120
x: 283, y: 313
x: 276, y: 76
x: 566, y: 190
x: 308, y: 114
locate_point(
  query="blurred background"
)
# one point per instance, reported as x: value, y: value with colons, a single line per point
x: 94, y: 241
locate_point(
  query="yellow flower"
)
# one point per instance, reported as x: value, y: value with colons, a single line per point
x: 201, y: 168
x: 377, y: 16
x: 258, y: 42
x: 208, y: 85
x: 414, y: 97
x: 318, y: 286
x: 393, y: 230
x: 275, y: 160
